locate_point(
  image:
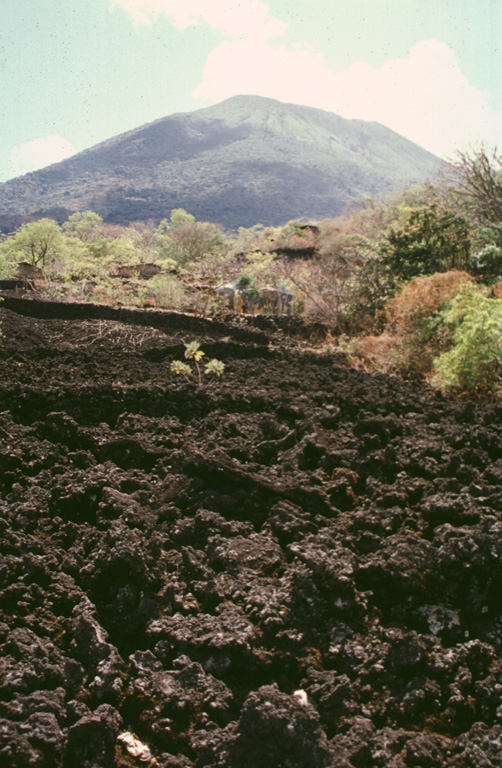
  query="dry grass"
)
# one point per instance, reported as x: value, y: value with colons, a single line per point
x: 377, y: 353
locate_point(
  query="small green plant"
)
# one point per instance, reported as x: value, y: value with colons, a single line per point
x: 179, y: 367
x: 194, y: 352
x: 215, y: 366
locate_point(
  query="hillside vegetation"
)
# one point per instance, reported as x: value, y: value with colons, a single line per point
x: 410, y: 286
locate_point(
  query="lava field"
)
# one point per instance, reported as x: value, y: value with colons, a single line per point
x: 296, y: 565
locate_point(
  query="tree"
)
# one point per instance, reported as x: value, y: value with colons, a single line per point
x: 37, y: 243
x: 434, y: 239
x: 478, y: 180
x: 84, y: 224
x: 185, y: 240
x: 180, y: 218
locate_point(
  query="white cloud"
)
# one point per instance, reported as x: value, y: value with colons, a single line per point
x: 286, y: 73
x: 424, y: 97
x: 235, y: 18
x: 39, y: 153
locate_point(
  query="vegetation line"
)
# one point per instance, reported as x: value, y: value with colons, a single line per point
x: 410, y: 286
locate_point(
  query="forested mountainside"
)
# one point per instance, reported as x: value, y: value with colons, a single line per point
x: 246, y: 160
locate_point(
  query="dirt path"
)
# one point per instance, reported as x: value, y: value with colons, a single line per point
x: 177, y: 563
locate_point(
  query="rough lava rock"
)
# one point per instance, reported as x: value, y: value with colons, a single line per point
x: 297, y: 565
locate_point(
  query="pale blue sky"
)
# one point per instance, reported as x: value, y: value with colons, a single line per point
x: 76, y: 72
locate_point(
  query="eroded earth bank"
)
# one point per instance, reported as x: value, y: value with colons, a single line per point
x: 297, y: 565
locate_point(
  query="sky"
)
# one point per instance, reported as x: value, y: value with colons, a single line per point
x: 76, y: 72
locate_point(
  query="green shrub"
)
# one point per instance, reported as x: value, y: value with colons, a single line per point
x: 473, y: 364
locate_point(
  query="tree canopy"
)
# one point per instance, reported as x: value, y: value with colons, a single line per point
x: 36, y: 242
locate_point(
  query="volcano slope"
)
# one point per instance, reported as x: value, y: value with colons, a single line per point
x: 297, y: 565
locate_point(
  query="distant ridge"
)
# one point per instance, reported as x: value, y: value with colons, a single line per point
x: 244, y: 161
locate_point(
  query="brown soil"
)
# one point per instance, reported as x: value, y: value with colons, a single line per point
x: 178, y: 561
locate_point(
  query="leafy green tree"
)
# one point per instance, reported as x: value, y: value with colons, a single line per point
x: 434, y: 239
x: 37, y: 243
x: 122, y: 251
x: 94, y: 249
x: 113, y: 244
x: 83, y: 224
x: 7, y: 258
x: 180, y: 218
x: 183, y: 239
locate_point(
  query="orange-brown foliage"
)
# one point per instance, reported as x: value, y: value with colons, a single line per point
x: 422, y: 298
x: 407, y: 346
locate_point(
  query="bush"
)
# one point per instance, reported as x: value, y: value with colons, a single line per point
x: 185, y: 240
x: 415, y: 331
x: 374, y: 353
x: 415, y: 317
x: 474, y: 362
x: 409, y: 312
